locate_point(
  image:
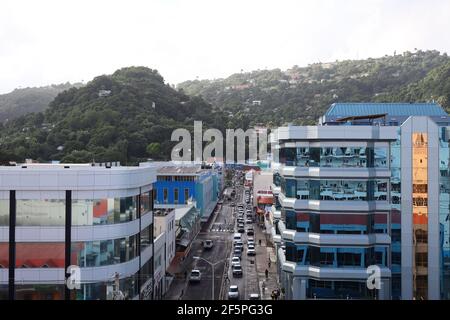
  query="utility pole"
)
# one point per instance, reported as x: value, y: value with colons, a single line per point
x: 213, y: 266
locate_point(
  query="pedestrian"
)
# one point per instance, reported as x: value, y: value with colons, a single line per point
x: 267, y: 274
x: 264, y: 286
x: 269, y: 263
x: 259, y: 241
x: 185, y: 275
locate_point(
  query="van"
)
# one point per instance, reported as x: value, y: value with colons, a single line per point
x: 237, y: 236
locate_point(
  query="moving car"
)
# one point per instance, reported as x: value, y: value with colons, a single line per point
x: 195, y: 276
x: 208, y: 244
x: 237, y: 270
x: 233, y: 292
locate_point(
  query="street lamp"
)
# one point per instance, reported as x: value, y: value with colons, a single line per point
x: 213, y: 266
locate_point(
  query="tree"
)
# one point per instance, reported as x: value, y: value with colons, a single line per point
x: 154, y: 150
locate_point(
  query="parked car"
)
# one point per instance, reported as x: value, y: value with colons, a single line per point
x: 195, y: 276
x: 238, y: 243
x: 233, y: 292
x: 235, y: 260
x: 250, y: 232
x: 248, y: 221
x: 208, y: 244
x: 251, y: 239
x: 239, y: 246
x: 250, y: 243
x: 241, y: 229
x: 237, y: 270
x: 251, y: 252
x: 254, y: 296
x: 237, y: 253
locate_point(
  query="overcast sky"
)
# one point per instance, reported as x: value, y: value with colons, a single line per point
x: 44, y: 41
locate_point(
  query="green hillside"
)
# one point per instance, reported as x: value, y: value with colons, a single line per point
x: 23, y: 101
x: 128, y: 117
x: 300, y: 95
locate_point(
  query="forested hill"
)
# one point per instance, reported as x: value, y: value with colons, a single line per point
x: 434, y: 87
x: 301, y: 95
x: 27, y: 100
x: 128, y: 117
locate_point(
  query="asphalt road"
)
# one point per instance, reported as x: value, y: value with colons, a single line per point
x: 220, y: 231
x: 248, y: 283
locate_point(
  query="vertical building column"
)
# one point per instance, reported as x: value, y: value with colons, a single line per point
x: 139, y: 214
x: 406, y: 211
x: 299, y: 288
x: 384, y: 292
x: 434, y: 247
x: 68, y: 241
x: 12, y: 244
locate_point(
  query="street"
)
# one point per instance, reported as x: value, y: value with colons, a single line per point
x: 220, y: 230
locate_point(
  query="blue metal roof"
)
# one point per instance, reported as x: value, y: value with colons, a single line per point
x: 392, y: 109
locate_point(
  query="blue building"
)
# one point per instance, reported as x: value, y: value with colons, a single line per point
x: 369, y: 186
x: 176, y: 186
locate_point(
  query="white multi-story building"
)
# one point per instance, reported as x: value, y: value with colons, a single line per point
x: 367, y: 187
x: 165, y: 246
x: 99, y: 219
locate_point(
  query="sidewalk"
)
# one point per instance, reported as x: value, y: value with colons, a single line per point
x: 264, y: 253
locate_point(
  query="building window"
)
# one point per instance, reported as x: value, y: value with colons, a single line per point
x: 175, y: 195
x: 186, y: 195
x: 106, y: 211
x: 146, y: 203
x: 105, y: 252
x: 40, y: 255
x: 165, y: 195
x: 41, y: 213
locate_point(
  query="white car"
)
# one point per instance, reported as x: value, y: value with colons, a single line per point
x: 251, y: 252
x: 195, y: 276
x: 208, y: 244
x: 233, y: 293
x: 235, y: 260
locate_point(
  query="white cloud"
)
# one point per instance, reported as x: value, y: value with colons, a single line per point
x: 43, y: 42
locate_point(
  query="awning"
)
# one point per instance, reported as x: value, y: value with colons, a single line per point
x: 265, y: 200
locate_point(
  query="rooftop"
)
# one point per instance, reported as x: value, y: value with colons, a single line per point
x: 180, y: 170
x: 391, y: 109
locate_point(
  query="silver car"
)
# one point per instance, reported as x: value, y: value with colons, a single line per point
x: 233, y: 293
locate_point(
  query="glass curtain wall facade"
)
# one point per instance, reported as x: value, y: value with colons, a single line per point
x: 420, y: 215
x: 395, y: 221
x: 444, y: 213
x: 85, y: 254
